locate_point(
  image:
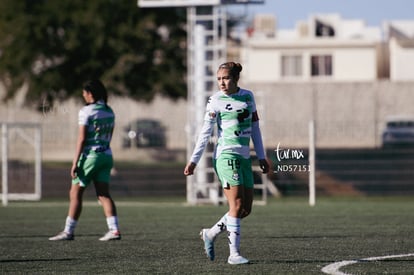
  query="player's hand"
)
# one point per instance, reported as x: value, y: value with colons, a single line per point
x: 73, y: 171
x: 189, y: 168
x: 264, y: 165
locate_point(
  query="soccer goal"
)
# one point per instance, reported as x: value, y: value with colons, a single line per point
x: 21, y: 161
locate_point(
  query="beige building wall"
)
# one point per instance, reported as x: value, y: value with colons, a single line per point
x: 59, y: 124
x: 401, y: 60
x: 347, y: 115
x: 351, y: 61
x: 357, y: 64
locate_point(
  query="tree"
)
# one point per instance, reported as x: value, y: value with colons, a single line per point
x: 55, y: 46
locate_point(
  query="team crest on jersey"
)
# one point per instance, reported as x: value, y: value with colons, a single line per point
x: 235, y: 175
x: 212, y: 115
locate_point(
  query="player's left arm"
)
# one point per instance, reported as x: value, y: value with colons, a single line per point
x: 258, y: 143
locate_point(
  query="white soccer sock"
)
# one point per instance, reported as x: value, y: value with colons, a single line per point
x: 70, y: 225
x: 112, y: 223
x: 233, y: 231
x: 218, y: 228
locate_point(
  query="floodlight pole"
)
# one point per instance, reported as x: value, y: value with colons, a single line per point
x: 206, y: 50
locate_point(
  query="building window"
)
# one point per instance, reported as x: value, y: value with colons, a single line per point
x: 321, y: 65
x: 324, y: 30
x: 291, y: 65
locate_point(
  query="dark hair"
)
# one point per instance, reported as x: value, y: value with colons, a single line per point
x: 234, y: 69
x: 97, y: 89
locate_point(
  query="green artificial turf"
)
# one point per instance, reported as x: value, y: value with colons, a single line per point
x: 160, y: 236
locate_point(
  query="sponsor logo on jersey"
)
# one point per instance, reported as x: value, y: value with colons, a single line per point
x: 212, y: 115
x: 239, y: 133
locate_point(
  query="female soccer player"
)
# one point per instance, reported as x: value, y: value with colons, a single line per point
x: 234, y: 111
x: 92, y: 161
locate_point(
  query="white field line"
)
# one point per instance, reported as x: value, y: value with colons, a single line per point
x: 333, y: 268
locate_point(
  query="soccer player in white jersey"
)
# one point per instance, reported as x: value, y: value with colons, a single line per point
x: 234, y: 111
x: 92, y: 161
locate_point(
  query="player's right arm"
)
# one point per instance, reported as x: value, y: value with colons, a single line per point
x: 203, y: 138
x: 79, y: 148
x: 202, y: 141
x: 80, y: 143
x: 189, y: 168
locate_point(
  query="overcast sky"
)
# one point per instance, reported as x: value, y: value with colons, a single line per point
x: 373, y: 12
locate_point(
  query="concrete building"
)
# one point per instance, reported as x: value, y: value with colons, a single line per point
x: 328, y: 48
x: 324, y: 48
x: 400, y: 36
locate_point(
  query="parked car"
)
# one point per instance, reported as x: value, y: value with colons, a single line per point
x: 144, y: 133
x: 398, y: 131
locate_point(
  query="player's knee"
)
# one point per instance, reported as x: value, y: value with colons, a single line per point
x: 75, y: 193
x: 103, y: 197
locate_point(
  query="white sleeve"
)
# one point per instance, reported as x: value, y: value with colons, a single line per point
x: 82, y: 117
x: 202, y: 141
x: 257, y: 140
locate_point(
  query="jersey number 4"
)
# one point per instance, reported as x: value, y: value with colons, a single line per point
x: 233, y: 163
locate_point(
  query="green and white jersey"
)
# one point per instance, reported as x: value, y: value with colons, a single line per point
x: 100, y: 121
x: 233, y: 114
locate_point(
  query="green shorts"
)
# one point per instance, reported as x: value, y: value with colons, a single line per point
x: 94, y: 167
x: 233, y: 170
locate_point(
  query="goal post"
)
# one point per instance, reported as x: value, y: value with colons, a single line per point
x: 312, y: 166
x: 21, y: 161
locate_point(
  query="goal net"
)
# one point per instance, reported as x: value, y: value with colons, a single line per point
x: 20, y: 161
